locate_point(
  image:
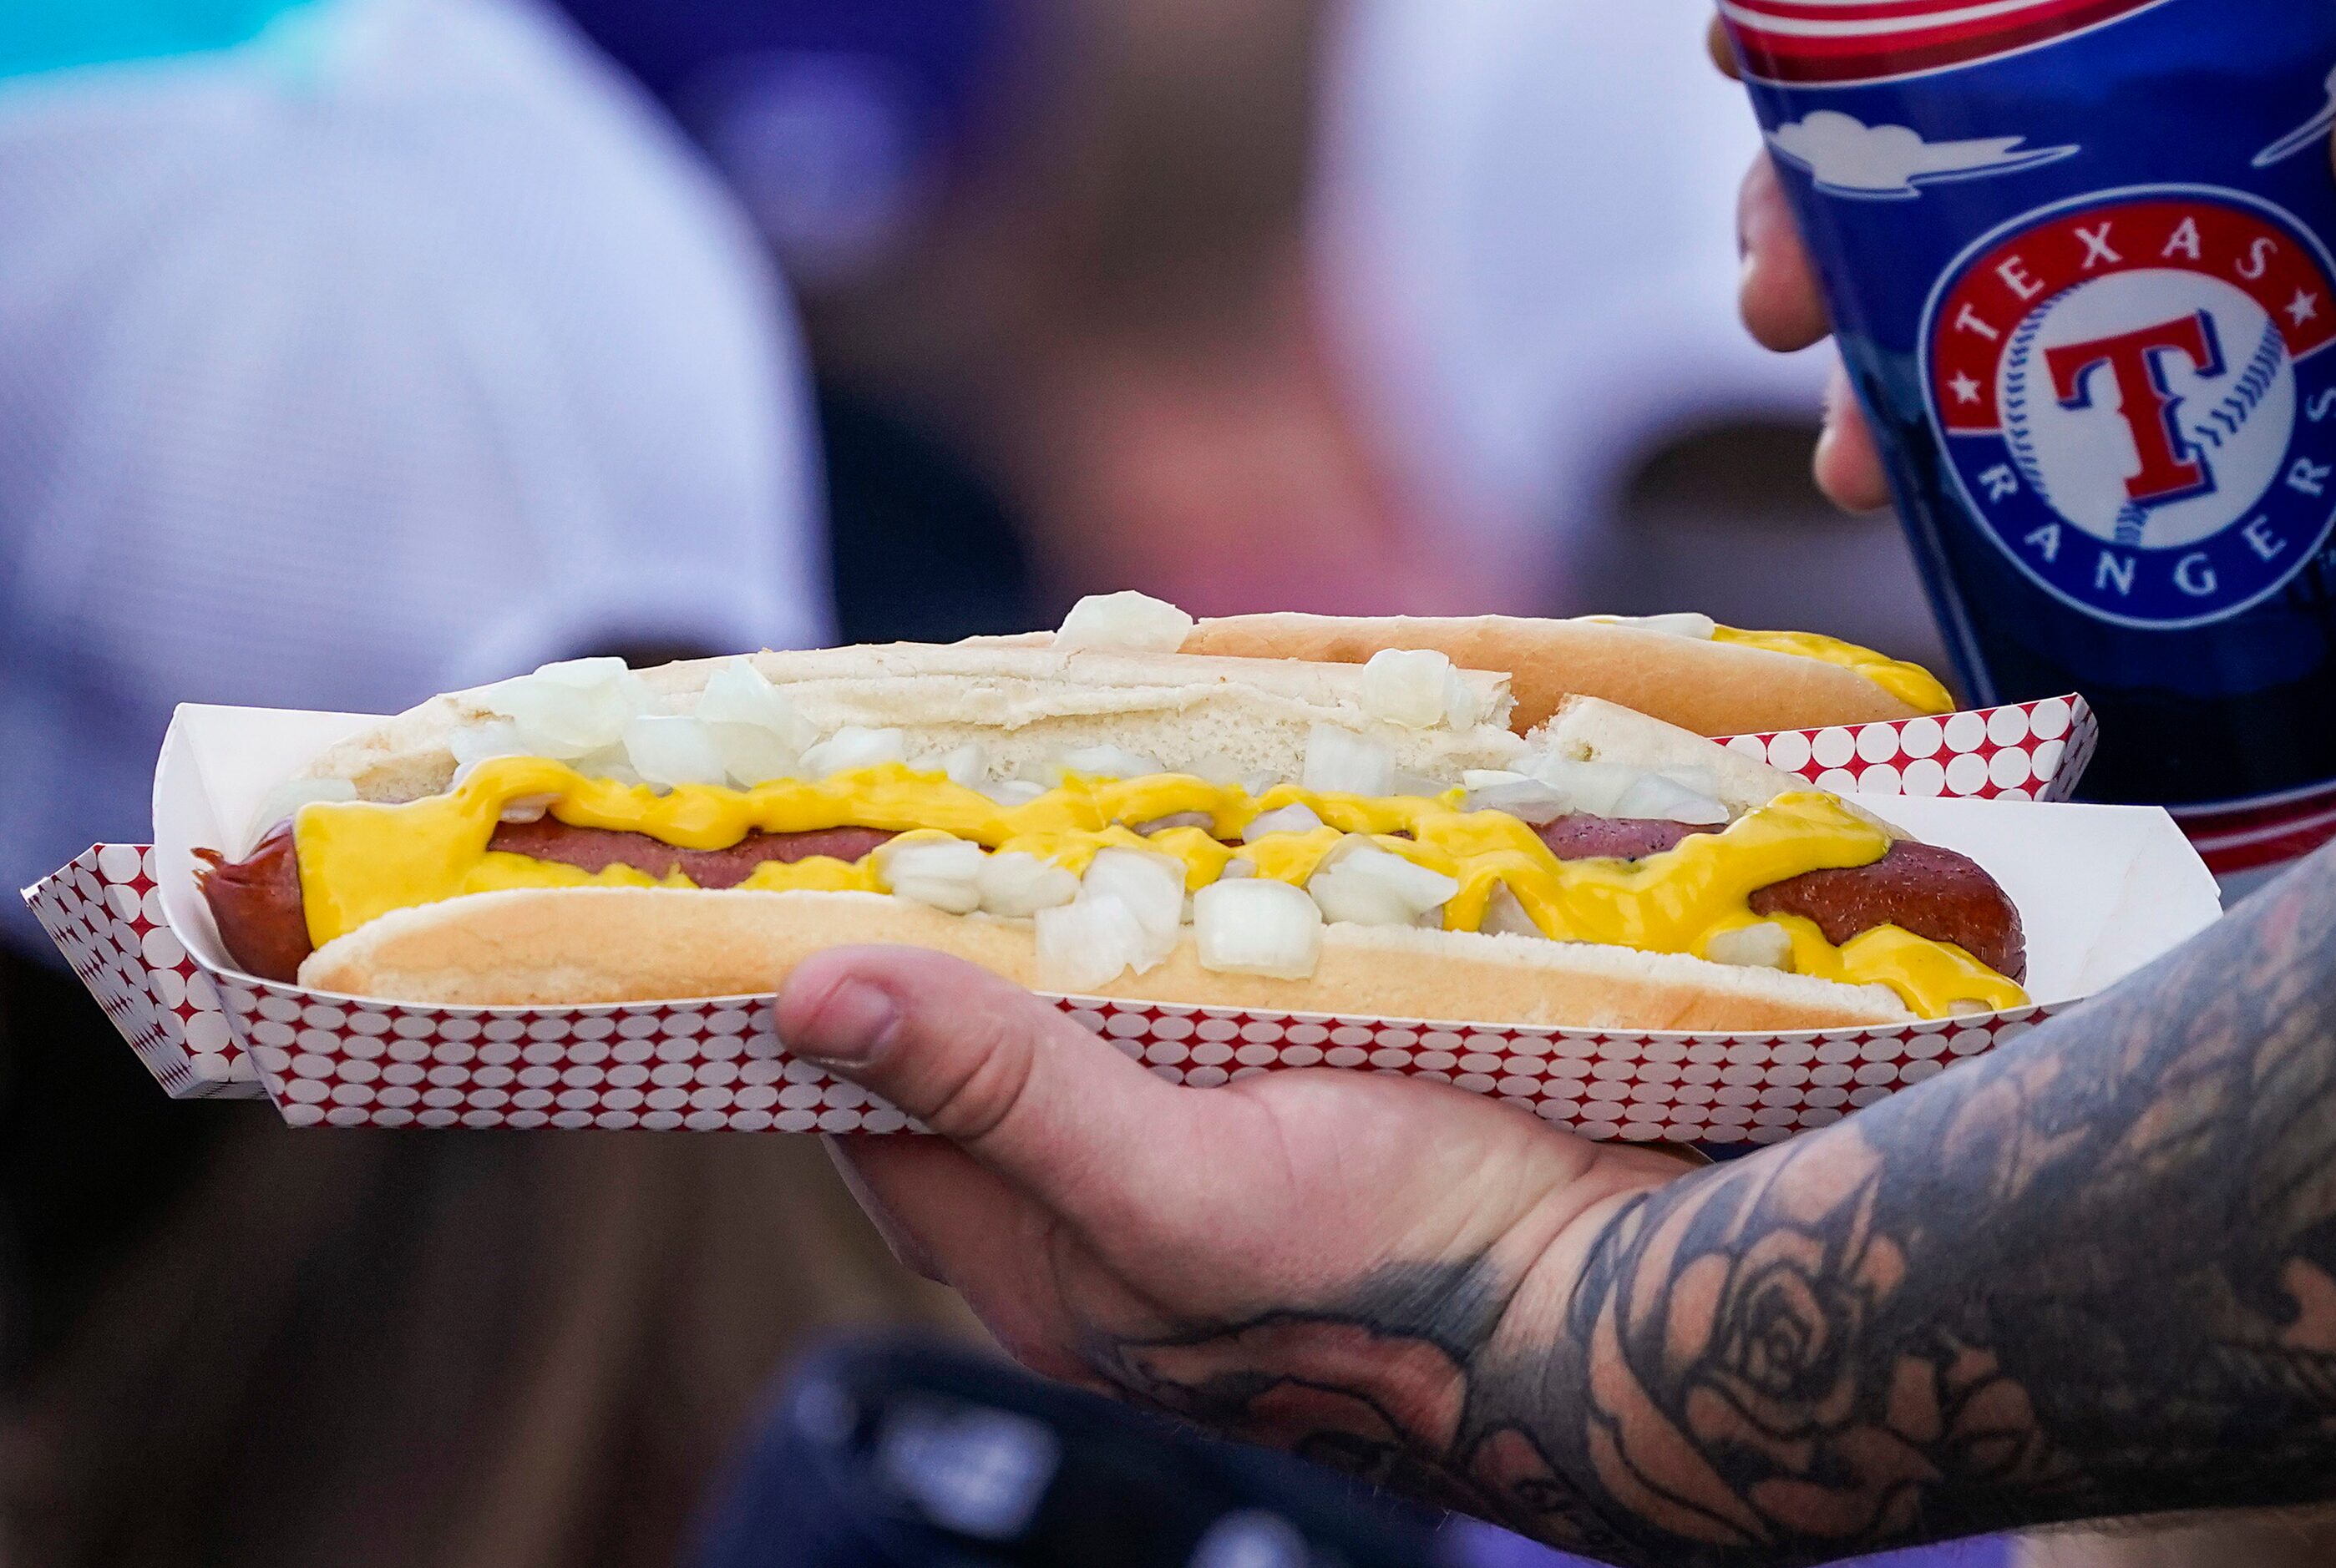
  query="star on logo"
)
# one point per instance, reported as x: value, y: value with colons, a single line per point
x: 2303, y: 307
x: 1966, y: 389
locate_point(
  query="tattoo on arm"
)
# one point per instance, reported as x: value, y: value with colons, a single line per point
x: 2090, y: 1275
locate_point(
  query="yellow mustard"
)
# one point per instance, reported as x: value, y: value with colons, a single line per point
x: 359, y: 861
x: 1910, y: 684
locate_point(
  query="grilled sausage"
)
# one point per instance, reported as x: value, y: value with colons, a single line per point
x: 1920, y: 887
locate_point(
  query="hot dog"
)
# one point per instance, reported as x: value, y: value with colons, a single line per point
x: 1932, y: 892
x: 1185, y: 829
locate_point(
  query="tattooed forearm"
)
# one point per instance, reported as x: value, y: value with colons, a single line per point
x: 2093, y: 1274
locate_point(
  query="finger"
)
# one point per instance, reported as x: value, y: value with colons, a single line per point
x: 991, y: 1068
x: 1848, y: 464
x: 1723, y: 53
x: 966, y: 1227
x: 1778, y: 293
x: 907, y: 1247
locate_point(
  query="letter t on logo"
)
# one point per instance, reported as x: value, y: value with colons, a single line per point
x: 2136, y: 360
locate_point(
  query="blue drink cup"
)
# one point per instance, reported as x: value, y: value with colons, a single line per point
x: 2078, y: 253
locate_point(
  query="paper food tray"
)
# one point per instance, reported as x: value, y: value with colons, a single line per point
x: 2102, y: 891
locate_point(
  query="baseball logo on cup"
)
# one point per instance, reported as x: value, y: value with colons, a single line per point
x: 2133, y: 392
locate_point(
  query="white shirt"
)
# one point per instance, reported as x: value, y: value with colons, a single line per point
x: 401, y: 349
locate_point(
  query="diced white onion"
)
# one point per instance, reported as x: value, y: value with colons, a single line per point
x: 1505, y: 917
x: 1292, y: 819
x: 1418, y: 784
x: 1124, y: 623
x: 527, y: 808
x: 1340, y: 761
x: 945, y: 873
x: 967, y: 765
x: 1214, y: 768
x: 1477, y: 778
x: 1527, y: 800
x: 1013, y: 791
x: 286, y: 798
x: 1257, y: 926
x: 1702, y: 780
x: 1256, y: 784
x: 1591, y: 787
x: 739, y: 693
x: 1107, y: 762
x: 568, y: 709
x: 1363, y: 885
x: 1680, y: 624
x: 666, y: 749
x: 1464, y: 707
x: 1609, y: 789
x: 1767, y: 946
x: 754, y: 730
x: 1020, y: 885
x: 473, y: 744
x: 854, y: 747
x: 1086, y: 945
x: 579, y: 675
x: 609, y: 762
x: 1407, y: 686
x: 751, y: 754
x: 1239, y: 866
x: 1658, y: 798
x: 1419, y: 689
x: 1149, y: 886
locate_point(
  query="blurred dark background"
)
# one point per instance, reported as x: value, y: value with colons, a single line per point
x: 356, y: 350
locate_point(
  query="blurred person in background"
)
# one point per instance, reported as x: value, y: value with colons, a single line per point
x: 1520, y: 226
x: 1056, y: 250
x: 353, y: 351
x: 1327, y: 304
x: 852, y: 133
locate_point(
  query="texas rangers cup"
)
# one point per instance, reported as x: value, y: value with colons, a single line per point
x: 2079, y: 252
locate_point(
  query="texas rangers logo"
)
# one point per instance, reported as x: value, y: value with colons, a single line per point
x: 2133, y: 394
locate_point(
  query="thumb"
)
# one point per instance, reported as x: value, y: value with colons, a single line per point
x: 986, y: 1065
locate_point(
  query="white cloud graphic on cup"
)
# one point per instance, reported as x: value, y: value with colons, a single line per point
x: 1848, y: 156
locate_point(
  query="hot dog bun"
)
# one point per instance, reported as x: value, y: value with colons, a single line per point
x: 1025, y: 704
x: 1709, y: 687
x: 577, y: 945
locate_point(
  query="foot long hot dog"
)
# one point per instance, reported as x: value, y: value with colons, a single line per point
x: 1931, y: 892
x: 1184, y: 829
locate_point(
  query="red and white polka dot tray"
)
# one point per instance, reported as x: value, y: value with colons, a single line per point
x: 706, y: 1065
x: 343, y: 1061
x: 2023, y: 751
